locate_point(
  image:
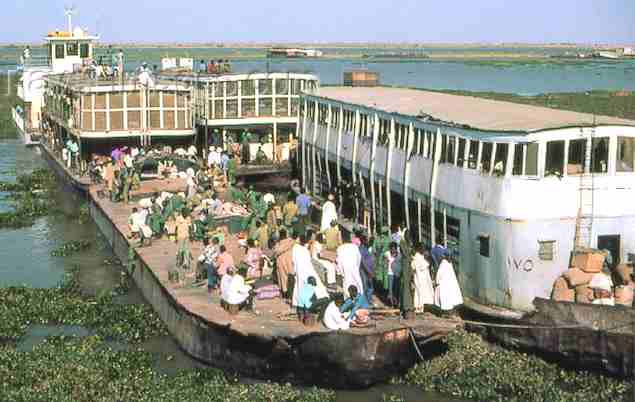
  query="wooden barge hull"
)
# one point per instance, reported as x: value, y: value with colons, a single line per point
x: 576, y: 335
x: 244, y: 344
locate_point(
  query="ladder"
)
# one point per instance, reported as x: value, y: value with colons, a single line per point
x: 584, y: 221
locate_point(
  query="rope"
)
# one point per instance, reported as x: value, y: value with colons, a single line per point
x: 414, y: 343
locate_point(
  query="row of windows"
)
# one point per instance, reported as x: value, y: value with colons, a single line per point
x: 283, y: 86
x: 570, y: 158
x: 171, y: 99
x: 102, y: 120
x: 229, y: 108
x: 70, y: 49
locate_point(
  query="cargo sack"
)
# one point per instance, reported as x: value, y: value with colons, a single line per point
x: 576, y: 277
x: 560, y: 283
x: 583, y: 294
x: 590, y: 262
x: 624, y: 295
x: 563, y: 295
x: 624, y: 272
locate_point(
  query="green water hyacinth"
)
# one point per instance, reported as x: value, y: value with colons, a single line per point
x: 70, y: 248
x: 473, y: 369
x: 87, y: 369
x: 22, y: 306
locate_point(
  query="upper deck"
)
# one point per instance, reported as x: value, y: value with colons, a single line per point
x: 467, y: 111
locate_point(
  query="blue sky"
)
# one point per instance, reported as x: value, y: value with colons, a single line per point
x: 449, y: 21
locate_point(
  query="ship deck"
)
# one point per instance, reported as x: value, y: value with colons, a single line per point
x: 271, y: 320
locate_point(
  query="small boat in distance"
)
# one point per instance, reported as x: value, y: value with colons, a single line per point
x: 292, y: 53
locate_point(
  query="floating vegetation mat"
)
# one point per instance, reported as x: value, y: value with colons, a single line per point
x: 70, y: 248
x: 30, y: 197
x: 472, y: 369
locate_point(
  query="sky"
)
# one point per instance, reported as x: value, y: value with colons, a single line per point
x: 422, y: 21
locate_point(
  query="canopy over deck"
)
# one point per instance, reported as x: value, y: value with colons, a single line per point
x: 484, y: 114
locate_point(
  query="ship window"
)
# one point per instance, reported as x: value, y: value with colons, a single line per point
x: 546, y: 249
x: 59, y: 51
x: 232, y: 88
x: 71, y: 49
x: 265, y: 107
x: 295, y: 87
x: 282, y: 86
x: 265, y: 87
x: 218, y: 89
x: 500, y: 159
x: 531, y: 163
x: 218, y: 109
x: 282, y: 106
x: 451, y: 150
x: 133, y: 100
x: 483, y: 245
x: 461, y: 155
x: 232, y: 108
x: 472, y: 157
x: 625, y: 154
x: 116, y: 100
x: 247, y: 88
x: 248, y: 108
x: 600, y: 155
x: 555, y: 158
x: 84, y: 50
x: 518, y: 160
x: 444, y: 149
x: 575, y: 164
x: 432, y: 143
x: 486, y: 157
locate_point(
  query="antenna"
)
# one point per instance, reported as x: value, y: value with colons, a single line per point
x: 69, y: 11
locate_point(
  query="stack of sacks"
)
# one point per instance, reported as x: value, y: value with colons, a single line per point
x: 624, y: 292
x: 572, y: 286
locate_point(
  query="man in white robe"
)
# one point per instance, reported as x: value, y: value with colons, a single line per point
x: 334, y: 319
x: 424, y: 291
x: 303, y: 267
x: 349, y: 260
x: 329, y: 213
x: 447, y: 295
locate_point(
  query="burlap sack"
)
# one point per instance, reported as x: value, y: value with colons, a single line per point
x: 576, y: 277
x: 560, y: 283
x: 590, y: 262
x: 624, y: 295
x: 583, y: 294
x: 566, y: 295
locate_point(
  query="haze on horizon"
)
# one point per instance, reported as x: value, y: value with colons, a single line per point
x: 406, y: 21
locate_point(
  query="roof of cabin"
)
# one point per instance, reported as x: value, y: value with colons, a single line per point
x: 484, y: 114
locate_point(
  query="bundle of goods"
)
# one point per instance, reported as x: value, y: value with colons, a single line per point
x: 573, y: 285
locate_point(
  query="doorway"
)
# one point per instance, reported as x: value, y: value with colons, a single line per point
x: 612, y: 244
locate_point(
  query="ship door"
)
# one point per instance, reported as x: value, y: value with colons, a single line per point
x: 611, y: 243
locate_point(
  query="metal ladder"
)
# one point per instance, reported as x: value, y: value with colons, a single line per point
x: 584, y: 222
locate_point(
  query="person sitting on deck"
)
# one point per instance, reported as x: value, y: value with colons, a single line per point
x: 238, y: 293
x: 333, y: 317
x: 261, y: 157
x: 333, y: 236
x: 284, y: 262
x: 357, y: 307
x: 253, y: 260
x: 138, y: 227
x: 213, y: 205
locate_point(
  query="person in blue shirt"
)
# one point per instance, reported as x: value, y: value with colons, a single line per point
x: 358, y: 306
x: 306, y: 299
x: 303, y: 202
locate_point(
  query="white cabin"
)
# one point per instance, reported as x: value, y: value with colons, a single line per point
x: 509, y: 188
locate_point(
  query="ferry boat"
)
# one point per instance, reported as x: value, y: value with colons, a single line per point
x: 61, y: 98
x: 510, y: 189
x: 294, y: 53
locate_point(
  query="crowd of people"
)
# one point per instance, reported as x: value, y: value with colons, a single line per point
x: 321, y: 271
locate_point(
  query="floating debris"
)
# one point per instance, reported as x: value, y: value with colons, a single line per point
x: 70, y: 248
